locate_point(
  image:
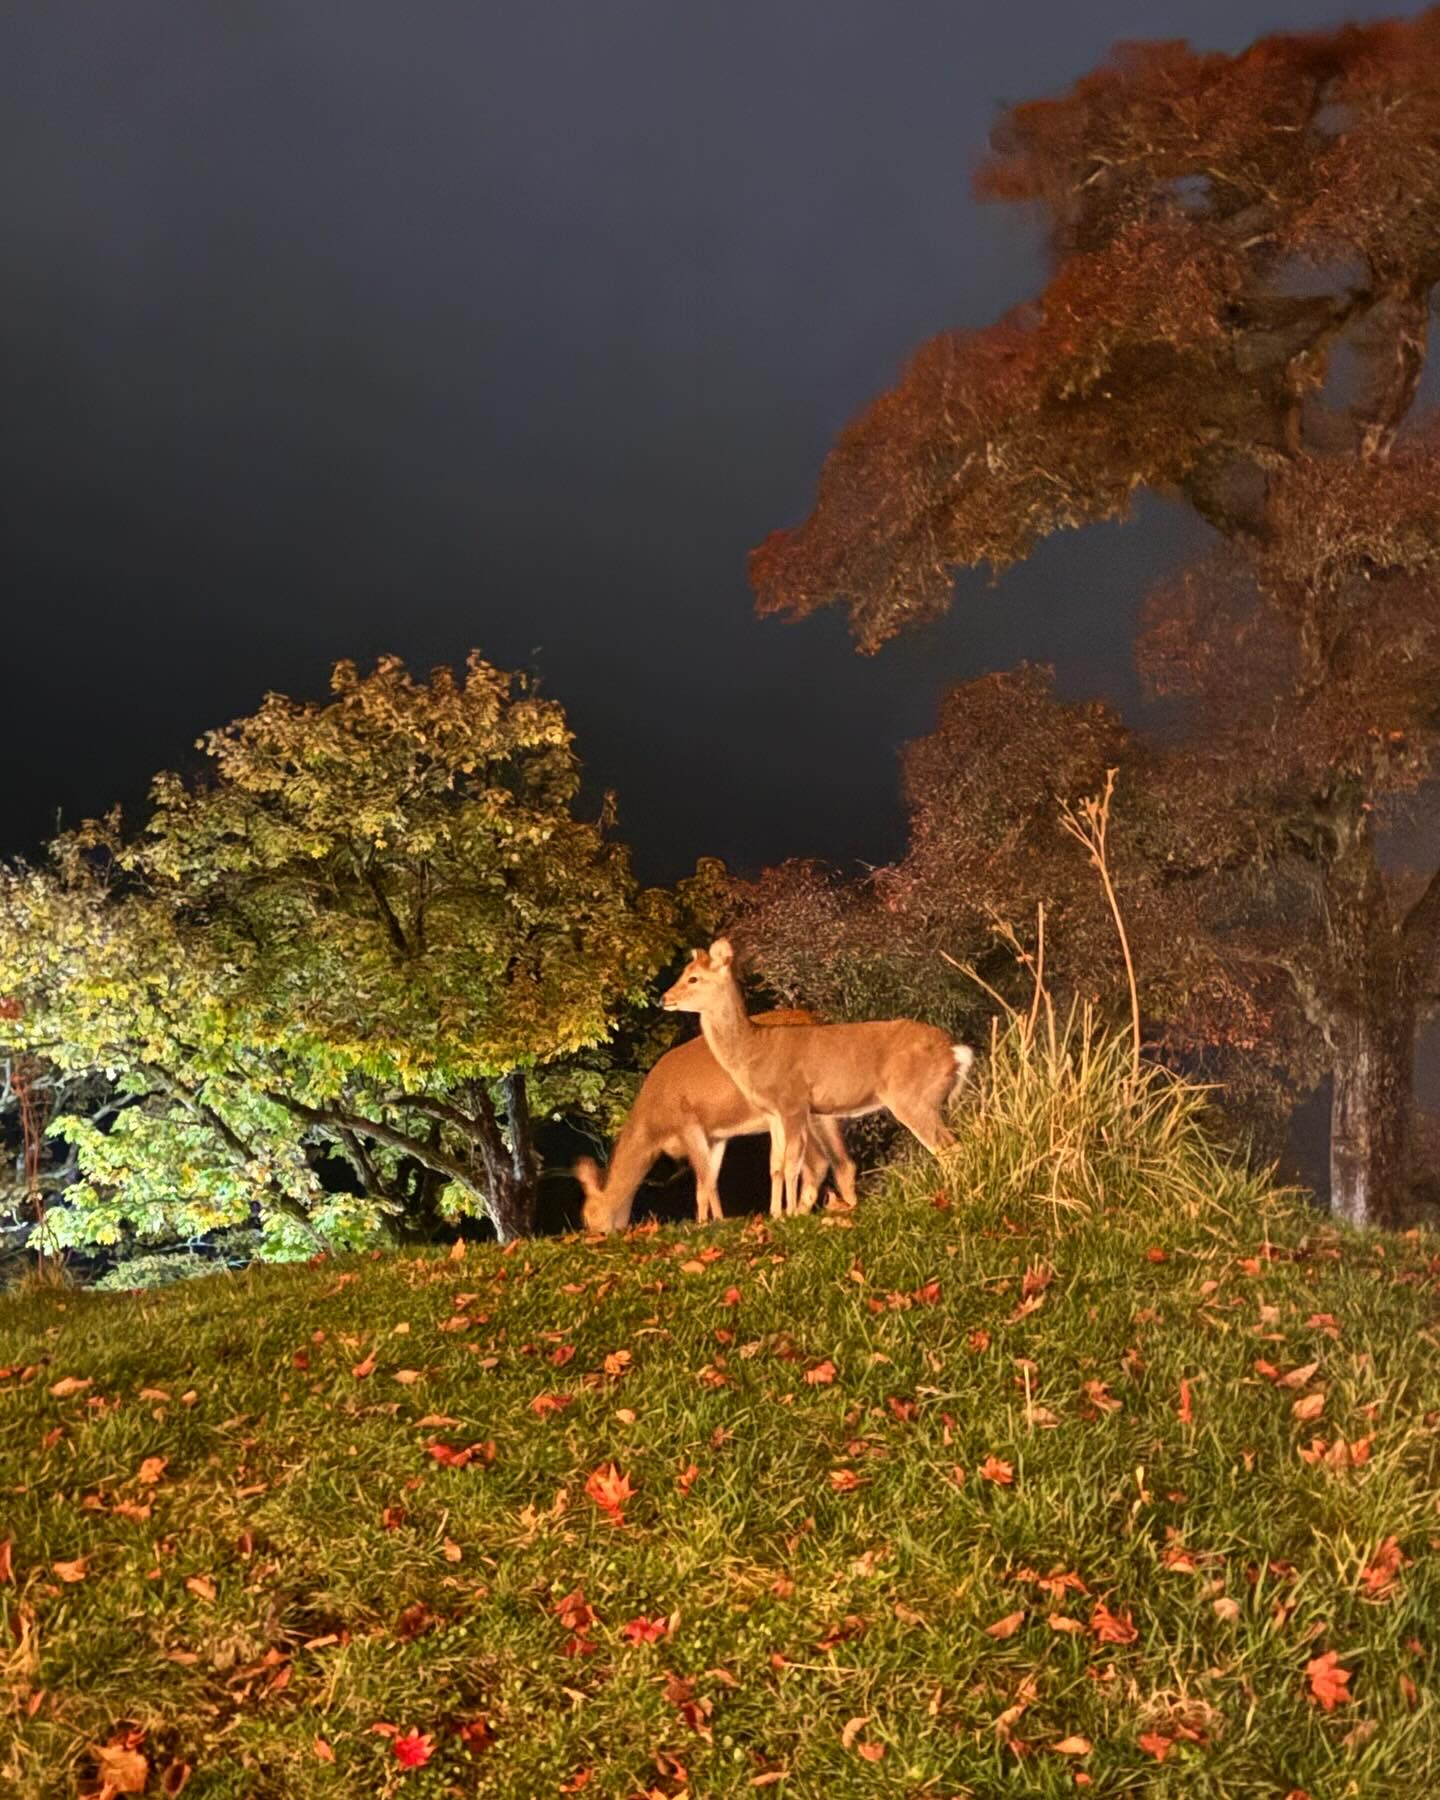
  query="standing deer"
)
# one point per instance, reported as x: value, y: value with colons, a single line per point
x: 804, y: 1072
x: 689, y: 1107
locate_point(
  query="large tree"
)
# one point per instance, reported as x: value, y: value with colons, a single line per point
x: 374, y: 930
x: 1245, y: 250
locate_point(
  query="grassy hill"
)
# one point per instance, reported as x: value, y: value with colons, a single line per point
x: 968, y: 1492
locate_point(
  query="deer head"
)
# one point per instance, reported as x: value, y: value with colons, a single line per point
x: 707, y: 974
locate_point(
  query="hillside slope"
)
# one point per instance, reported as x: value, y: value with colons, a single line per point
x: 943, y: 1497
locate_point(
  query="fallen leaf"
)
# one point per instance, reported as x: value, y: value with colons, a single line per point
x: 175, y: 1777
x: 1310, y: 1407
x: 435, y: 1421
x: 1059, y: 1622
x: 152, y: 1469
x: 871, y: 1752
x: 122, y: 1769
x: 413, y: 1751
x: 1159, y: 1747
x: 7, y: 1568
x: 1227, y: 1609
x: 995, y: 1469
x: 451, y: 1551
x: 1297, y: 1377
x: 644, y: 1631
x: 323, y: 1750
x: 1328, y: 1681
x: 406, y: 1377
x: 201, y: 1586
x: 71, y: 1384
x: 1072, y: 1746
x: 685, y: 1480
x: 610, y: 1490
x: 1379, y: 1576
x: 821, y: 1375
x: 1006, y: 1627
x: 71, y: 1571
x: 1112, y: 1628
x: 1184, y: 1412
x: 845, y: 1481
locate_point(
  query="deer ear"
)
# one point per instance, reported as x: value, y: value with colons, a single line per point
x: 721, y: 953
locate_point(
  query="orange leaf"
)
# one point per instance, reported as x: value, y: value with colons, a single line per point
x: 71, y: 1384
x: 1297, y: 1377
x: 1184, y: 1411
x: 844, y: 1481
x: 364, y: 1368
x: 201, y: 1586
x: 1073, y: 1746
x: 644, y: 1631
x: 685, y: 1480
x: 7, y: 1568
x: 617, y: 1362
x: 998, y: 1471
x: 1158, y: 1746
x: 821, y: 1375
x: 71, y: 1571
x: 1328, y: 1681
x: 152, y: 1469
x: 1006, y: 1627
x: 1112, y: 1628
x: 1310, y: 1407
x: 406, y: 1377
x: 323, y: 1750
x: 609, y: 1489
x: 1059, y: 1622
x: 123, y: 1770
x: 413, y: 1751
x: 871, y: 1752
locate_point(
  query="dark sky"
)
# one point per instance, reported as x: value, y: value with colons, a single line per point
x: 338, y: 326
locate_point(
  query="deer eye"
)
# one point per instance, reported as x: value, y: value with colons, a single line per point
x: 693, y: 980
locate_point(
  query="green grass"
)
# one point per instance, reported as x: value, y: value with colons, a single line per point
x: 356, y: 1581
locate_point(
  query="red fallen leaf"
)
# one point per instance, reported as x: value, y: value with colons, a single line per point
x: 845, y: 1481
x: 323, y: 1750
x: 1156, y: 1255
x: 580, y: 1779
x: 1006, y: 1627
x: 904, y: 1410
x: 978, y: 1341
x: 450, y: 1458
x: 201, y: 1586
x: 821, y: 1375
x: 393, y: 1518
x: 1328, y: 1681
x: 475, y: 1734
x: 687, y: 1477
x: 928, y: 1295
x: 364, y: 1368
x: 1112, y: 1628
x: 549, y: 1403
x: 995, y: 1469
x: 7, y: 1568
x: 413, y: 1751
x: 870, y: 1751
x: 644, y: 1631
x: 610, y: 1490
x: 1036, y: 1279
x: 1158, y: 1746
x: 1380, y: 1573
x: 1184, y: 1412
x: 561, y: 1354
x: 71, y: 1571
x: 152, y: 1469
x: 731, y: 1297
x: 574, y: 1611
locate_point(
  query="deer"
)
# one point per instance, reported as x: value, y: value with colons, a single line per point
x: 689, y: 1108
x: 803, y: 1073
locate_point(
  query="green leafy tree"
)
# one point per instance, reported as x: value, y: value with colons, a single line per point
x: 374, y: 931
x: 1245, y: 253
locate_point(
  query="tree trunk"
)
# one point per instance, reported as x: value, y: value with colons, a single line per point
x: 510, y: 1170
x: 1370, y: 1116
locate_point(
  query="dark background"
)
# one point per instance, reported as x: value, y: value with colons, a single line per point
x: 334, y: 326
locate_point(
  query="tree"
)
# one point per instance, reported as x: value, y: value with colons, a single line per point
x: 376, y: 931
x: 1245, y: 249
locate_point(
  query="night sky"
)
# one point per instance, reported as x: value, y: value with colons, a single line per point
x: 333, y: 327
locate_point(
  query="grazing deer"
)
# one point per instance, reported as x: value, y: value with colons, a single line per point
x: 689, y: 1107
x: 804, y: 1072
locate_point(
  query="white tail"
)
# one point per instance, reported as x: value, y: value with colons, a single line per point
x: 798, y: 1075
x: 688, y: 1107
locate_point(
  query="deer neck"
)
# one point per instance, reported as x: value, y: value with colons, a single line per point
x: 631, y: 1158
x: 730, y: 1035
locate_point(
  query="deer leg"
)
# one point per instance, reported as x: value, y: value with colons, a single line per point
x: 797, y: 1139
x: 777, y: 1167
x: 814, y: 1167
x: 832, y: 1145
x: 705, y: 1160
